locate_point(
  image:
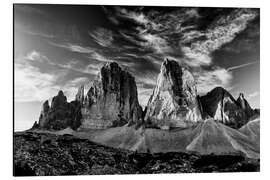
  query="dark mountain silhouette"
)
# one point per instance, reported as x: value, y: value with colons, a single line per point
x: 221, y: 105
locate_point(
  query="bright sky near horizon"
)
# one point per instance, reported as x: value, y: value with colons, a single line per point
x: 63, y: 46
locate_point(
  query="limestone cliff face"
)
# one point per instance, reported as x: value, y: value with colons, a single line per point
x: 112, y: 99
x: 80, y: 94
x: 174, y: 101
x: 43, y: 118
x: 60, y: 115
x: 221, y: 105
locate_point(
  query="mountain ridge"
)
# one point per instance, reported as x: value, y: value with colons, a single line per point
x: 112, y: 100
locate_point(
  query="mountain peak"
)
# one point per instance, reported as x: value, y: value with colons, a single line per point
x: 80, y: 94
x: 111, y: 64
x: 60, y: 93
x: 111, y: 67
x: 112, y: 99
x: 218, y: 90
x: 59, y: 100
x: 169, y: 63
x: 243, y: 103
x: 221, y: 105
x: 174, y: 100
x: 241, y: 96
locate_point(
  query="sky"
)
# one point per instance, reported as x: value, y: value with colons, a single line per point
x: 63, y: 46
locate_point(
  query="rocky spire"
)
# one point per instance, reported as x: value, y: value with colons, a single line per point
x: 59, y: 100
x: 44, y: 113
x: 245, y: 105
x: 61, y: 114
x: 112, y: 99
x: 174, y: 101
x: 243, y: 102
x: 220, y: 104
x: 45, y: 106
x: 80, y: 94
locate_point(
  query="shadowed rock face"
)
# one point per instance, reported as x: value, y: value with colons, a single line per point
x: 221, y: 105
x: 112, y: 99
x: 174, y: 101
x: 80, y: 95
x: 60, y: 115
x: 245, y: 105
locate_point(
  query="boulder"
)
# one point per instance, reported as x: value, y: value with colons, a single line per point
x: 174, y: 102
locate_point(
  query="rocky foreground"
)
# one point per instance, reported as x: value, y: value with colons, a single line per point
x: 38, y: 154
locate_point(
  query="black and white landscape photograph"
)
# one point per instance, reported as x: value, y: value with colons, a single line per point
x: 110, y: 90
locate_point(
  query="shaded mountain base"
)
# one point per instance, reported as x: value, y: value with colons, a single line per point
x: 48, y: 154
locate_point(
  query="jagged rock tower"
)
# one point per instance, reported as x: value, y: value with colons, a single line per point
x: 60, y: 115
x: 174, y: 102
x: 221, y: 105
x: 112, y: 99
x: 245, y: 105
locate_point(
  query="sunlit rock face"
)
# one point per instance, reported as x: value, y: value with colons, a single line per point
x: 60, y: 115
x: 80, y: 94
x: 174, y: 101
x: 112, y: 99
x: 221, y: 105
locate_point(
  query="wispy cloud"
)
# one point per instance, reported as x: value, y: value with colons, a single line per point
x: 33, y: 85
x: 99, y: 57
x: 141, y: 47
x: 222, y: 31
x: 70, y: 88
x: 30, y: 9
x: 242, y: 65
x: 74, y: 47
x: 166, y: 33
x: 35, y: 56
x: 254, y: 94
x: 91, y: 52
x: 102, y: 36
x: 139, y: 18
x: 159, y: 44
x: 144, y: 95
x: 41, y: 34
x: 207, y: 80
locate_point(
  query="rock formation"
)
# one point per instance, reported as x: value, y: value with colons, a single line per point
x: 43, y: 118
x: 221, y: 105
x: 80, y: 94
x: 174, y: 101
x: 245, y: 105
x: 111, y: 100
x: 35, y: 126
x: 61, y: 114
